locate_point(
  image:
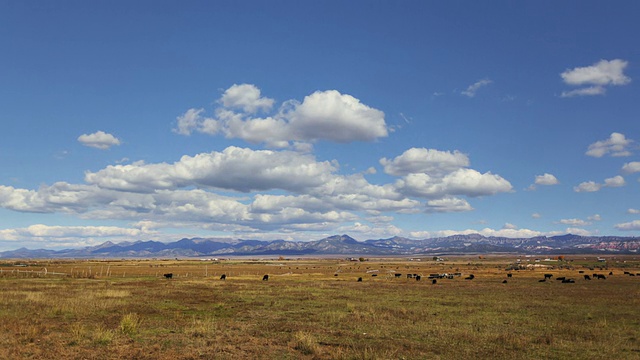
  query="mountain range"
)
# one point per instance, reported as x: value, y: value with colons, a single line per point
x: 343, y: 245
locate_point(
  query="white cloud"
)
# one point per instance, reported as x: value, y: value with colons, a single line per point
x: 246, y: 97
x: 616, y: 145
x: 588, y: 186
x: 603, y: 72
x: 323, y: 115
x: 99, y: 140
x: 588, y: 91
x: 628, y: 226
x: 509, y: 226
x: 595, y: 217
x: 545, y: 180
x: 71, y: 234
x: 238, y: 169
x: 633, y: 211
x: 473, y: 88
x: 631, y: 167
x: 421, y: 160
x: 616, y: 181
x: 574, y: 222
x: 447, y: 204
x: 536, y: 216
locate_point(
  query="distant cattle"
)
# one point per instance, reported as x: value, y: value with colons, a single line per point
x: 587, y: 277
x: 470, y: 277
x: 562, y: 278
x: 581, y: 272
x: 548, y: 276
x: 509, y: 275
x: 627, y: 273
x: 568, y: 281
x: 434, y: 281
x: 374, y: 274
x: 542, y: 280
x: 417, y: 277
x: 359, y: 279
x: 168, y: 276
x: 610, y: 272
x: 409, y: 276
x: 335, y: 274
x: 504, y: 281
x: 223, y: 277
x: 600, y: 276
x: 265, y: 278
x: 397, y: 275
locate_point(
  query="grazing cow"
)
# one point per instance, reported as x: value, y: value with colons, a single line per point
x: 374, y: 274
x: 627, y: 273
x: 265, y: 278
x: 335, y: 274
x: 223, y: 277
x: 548, y: 276
x: 610, y: 273
x: 397, y: 275
x: 504, y: 281
x: 470, y: 277
x: 600, y: 276
x: 509, y: 275
x: 568, y: 281
x: 409, y: 276
x: 542, y: 280
x: 581, y: 272
x: 434, y: 281
x: 417, y: 277
x: 587, y: 277
x: 168, y: 276
x: 359, y: 279
x: 562, y: 278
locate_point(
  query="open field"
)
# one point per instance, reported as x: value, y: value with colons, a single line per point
x: 315, y: 309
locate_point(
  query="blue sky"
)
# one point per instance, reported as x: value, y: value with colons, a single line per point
x: 159, y: 120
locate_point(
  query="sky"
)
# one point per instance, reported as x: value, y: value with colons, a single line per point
x: 160, y: 120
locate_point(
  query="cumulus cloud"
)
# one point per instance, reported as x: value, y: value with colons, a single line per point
x: 323, y: 115
x: 616, y: 181
x: 631, y: 167
x: 246, y: 97
x: 588, y: 186
x: 509, y: 226
x: 603, y: 72
x: 545, y: 180
x: 421, y: 160
x: 448, y: 204
x: 467, y: 182
x: 616, y: 145
x: 99, y: 140
x: 633, y: 211
x: 473, y: 88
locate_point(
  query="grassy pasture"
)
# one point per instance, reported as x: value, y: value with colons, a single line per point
x: 126, y: 309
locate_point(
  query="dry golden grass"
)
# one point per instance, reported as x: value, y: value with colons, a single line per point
x: 128, y: 310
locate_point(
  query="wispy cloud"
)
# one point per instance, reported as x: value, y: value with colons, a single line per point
x: 473, y: 88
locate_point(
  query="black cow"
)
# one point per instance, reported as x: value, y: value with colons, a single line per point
x: 397, y: 275
x: 548, y: 276
x: 374, y: 274
x: 409, y: 276
x: 610, y: 273
x: 417, y: 277
x: 627, y: 273
x: 265, y: 278
x: 470, y: 277
x: 581, y: 272
x: 587, y: 277
x: 600, y: 276
x: 359, y: 279
x: 509, y: 275
x: 504, y: 281
x: 542, y: 280
x: 434, y: 281
x: 568, y: 281
x: 562, y: 278
x: 168, y: 276
x: 223, y: 277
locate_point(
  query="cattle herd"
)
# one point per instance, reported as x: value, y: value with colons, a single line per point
x: 434, y: 277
